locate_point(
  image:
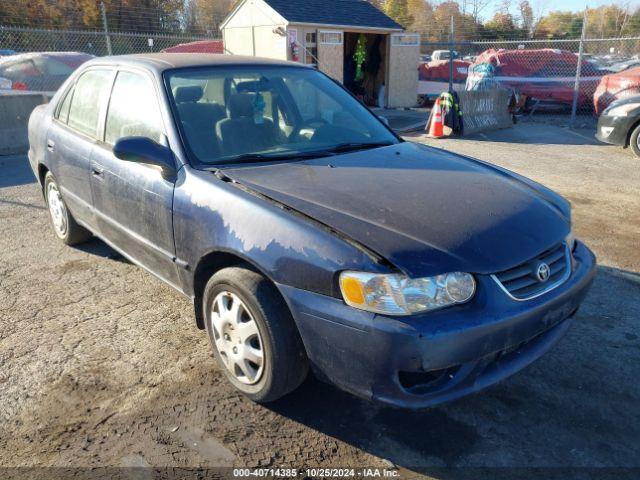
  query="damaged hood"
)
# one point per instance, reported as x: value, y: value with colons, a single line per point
x: 425, y: 210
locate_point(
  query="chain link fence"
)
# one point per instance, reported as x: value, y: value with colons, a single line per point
x: 98, y: 43
x: 566, y: 82
x: 47, y: 72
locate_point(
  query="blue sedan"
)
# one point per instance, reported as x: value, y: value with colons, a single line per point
x: 307, y: 234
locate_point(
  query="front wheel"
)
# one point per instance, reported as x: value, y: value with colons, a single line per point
x: 64, y: 225
x: 253, y: 334
x: 634, y: 141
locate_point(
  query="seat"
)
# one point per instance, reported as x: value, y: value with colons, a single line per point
x: 199, y: 120
x: 240, y: 133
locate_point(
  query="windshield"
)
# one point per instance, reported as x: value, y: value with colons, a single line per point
x: 256, y: 113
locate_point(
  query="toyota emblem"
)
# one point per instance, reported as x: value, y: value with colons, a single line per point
x: 543, y: 272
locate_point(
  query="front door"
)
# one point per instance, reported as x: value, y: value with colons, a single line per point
x: 132, y: 201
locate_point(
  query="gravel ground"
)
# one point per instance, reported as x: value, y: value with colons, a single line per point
x: 101, y: 364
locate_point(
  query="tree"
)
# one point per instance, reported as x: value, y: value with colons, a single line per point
x: 203, y: 17
x: 147, y: 16
x: 421, y: 13
x: 608, y: 21
x: 399, y: 11
x: 503, y: 27
x: 632, y: 28
x: 559, y: 25
x: 474, y: 8
x: 439, y: 19
x: 527, y: 18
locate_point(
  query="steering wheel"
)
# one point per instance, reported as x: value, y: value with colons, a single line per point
x: 314, y: 123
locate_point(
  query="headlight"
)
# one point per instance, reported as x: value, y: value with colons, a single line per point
x: 399, y: 295
x: 622, y: 110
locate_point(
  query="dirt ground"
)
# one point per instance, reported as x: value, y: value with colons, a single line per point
x: 101, y: 364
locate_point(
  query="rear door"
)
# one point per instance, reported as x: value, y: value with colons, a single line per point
x: 72, y: 137
x: 132, y: 201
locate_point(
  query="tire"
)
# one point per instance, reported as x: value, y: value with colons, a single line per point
x: 633, y: 141
x: 64, y: 225
x: 273, y: 332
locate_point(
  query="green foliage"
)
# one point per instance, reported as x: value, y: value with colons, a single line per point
x: 399, y: 11
x: 515, y: 19
x: 607, y: 21
x: 503, y: 26
x: 359, y: 56
x: 432, y: 18
x: 140, y: 16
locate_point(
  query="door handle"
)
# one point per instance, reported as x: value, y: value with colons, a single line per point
x: 51, y: 146
x: 97, y: 171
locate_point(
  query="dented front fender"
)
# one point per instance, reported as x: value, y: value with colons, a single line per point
x: 213, y: 214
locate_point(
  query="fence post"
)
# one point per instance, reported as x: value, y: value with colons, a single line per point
x: 105, y: 27
x: 576, y: 84
x: 451, y: 56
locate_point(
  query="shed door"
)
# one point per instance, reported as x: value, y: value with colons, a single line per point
x: 331, y: 53
x: 404, y: 51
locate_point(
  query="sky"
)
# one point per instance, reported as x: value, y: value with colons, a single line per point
x: 545, y: 6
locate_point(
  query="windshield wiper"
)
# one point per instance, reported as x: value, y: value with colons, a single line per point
x: 326, y: 152
x: 274, y: 157
x: 353, y: 146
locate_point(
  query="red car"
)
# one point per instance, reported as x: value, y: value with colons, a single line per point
x: 433, y: 77
x: 615, y: 86
x: 39, y: 71
x: 203, y: 46
x: 543, y: 74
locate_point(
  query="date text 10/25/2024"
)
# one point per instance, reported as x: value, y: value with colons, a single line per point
x: 316, y: 472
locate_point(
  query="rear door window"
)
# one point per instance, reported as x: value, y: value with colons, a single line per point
x: 63, y: 111
x: 91, y: 92
x: 133, y: 109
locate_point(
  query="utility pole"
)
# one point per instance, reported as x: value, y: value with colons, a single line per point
x: 451, y: 37
x: 105, y: 27
x: 576, y: 83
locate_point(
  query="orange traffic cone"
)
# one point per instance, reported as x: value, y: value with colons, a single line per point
x: 436, y: 126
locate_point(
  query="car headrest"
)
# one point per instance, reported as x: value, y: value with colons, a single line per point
x: 241, y: 105
x: 187, y: 93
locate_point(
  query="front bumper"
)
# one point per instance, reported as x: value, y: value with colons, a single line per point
x: 427, y: 359
x: 614, y: 130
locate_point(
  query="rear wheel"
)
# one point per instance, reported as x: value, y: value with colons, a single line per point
x: 64, y: 225
x: 634, y: 141
x: 253, y: 334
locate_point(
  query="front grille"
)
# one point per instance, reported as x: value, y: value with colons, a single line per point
x: 523, y: 281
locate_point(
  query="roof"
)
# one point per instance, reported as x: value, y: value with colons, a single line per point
x: 166, y: 61
x: 201, y: 46
x: 62, y: 56
x: 356, y: 13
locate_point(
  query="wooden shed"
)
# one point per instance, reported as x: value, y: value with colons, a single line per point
x: 326, y: 34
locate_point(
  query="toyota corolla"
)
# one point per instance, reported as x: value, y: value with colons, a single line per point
x: 307, y: 234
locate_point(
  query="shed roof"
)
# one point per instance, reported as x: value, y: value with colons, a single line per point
x: 356, y: 13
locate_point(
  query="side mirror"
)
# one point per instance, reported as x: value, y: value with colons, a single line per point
x: 384, y: 120
x: 145, y: 150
